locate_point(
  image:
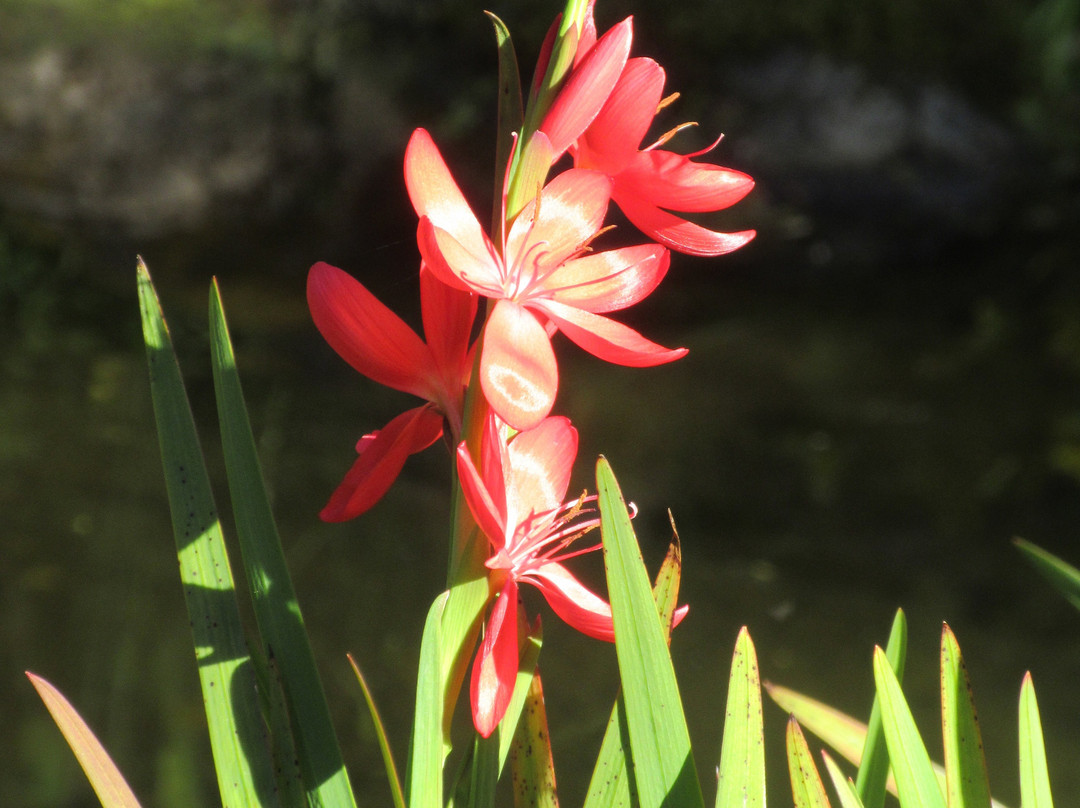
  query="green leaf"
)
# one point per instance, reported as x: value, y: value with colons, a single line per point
x: 225, y: 669
x: 916, y: 783
x: 806, y: 786
x: 1061, y: 574
x: 845, y: 786
x: 396, y: 792
x: 277, y: 611
x: 510, y: 115
x: 873, y: 774
x: 965, y: 764
x: 660, y: 744
x: 107, y: 781
x: 839, y: 730
x: 742, y: 753
x: 527, y: 671
x: 1034, y: 777
x: 531, y: 763
x: 426, y: 754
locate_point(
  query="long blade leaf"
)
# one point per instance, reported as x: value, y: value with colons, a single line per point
x: 806, y: 786
x: 1034, y: 777
x: 742, y: 752
x: 396, y: 792
x: 965, y: 763
x: 1059, y: 572
x: 873, y: 775
x: 845, y: 786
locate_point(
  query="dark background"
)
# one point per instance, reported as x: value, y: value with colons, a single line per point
x: 881, y: 390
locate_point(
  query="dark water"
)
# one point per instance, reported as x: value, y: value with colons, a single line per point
x: 829, y: 453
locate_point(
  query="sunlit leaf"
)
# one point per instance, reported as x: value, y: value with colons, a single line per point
x: 806, y: 787
x: 1034, y: 777
x: 531, y: 763
x: 845, y: 786
x: 742, y: 753
x: 425, y: 775
x: 872, y: 778
x: 1060, y: 573
x: 107, y: 781
x: 392, y: 778
x: 965, y: 764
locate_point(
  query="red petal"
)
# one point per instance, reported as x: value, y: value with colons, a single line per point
x: 576, y: 604
x: 435, y: 194
x: 448, y: 316
x: 679, y: 234
x: 674, y: 181
x: 517, y: 367
x: 612, y: 140
x: 482, y: 501
x: 367, y: 334
x: 571, y: 211
x: 540, y: 464
x: 607, y: 339
x: 587, y: 88
x: 609, y: 280
x: 495, y: 668
x: 382, y: 454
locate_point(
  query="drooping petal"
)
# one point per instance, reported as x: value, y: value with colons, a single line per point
x: 674, y: 181
x: 576, y: 604
x: 540, y: 464
x: 611, y: 141
x: 455, y: 263
x: 436, y: 195
x: 381, y: 456
x: 495, y: 668
x: 587, y: 88
x: 609, y: 280
x: 489, y: 513
x: 570, y: 211
x: 679, y: 234
x: 448, y: 315
x: 607, y: 339
x: 366, y: 334
x: 518, y: 373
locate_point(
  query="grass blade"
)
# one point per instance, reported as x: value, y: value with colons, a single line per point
x: 742, y: 752
x: 426, y: 754
x: 806, y: 786
x: 277, y: 612
x: 873, y: 775
x: 916, y: 782
x: 845, y: 786
x: 237, y: 730
x: 1061, y: 574
x: 967, y: 785
x: 660, y: 744
x: 107, y: 781
x: 1034, y: 777
x: 396, y: 792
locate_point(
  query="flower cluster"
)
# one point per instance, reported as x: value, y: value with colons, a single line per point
x: 575, y: 150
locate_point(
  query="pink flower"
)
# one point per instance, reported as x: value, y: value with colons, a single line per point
x: 542, y: 276
x: 378, y: 344
x: 650, y: 182
x: 517, y: 499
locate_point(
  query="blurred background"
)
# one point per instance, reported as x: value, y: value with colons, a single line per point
x: 881, y: 391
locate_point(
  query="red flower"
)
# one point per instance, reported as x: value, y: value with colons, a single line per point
x: 378, y: 344
x: 542, y: 276
x: 650, y: 182
x: 517, y: 499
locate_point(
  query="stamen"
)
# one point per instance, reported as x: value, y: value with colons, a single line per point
x: 668, y: 101
x: 668, y: 135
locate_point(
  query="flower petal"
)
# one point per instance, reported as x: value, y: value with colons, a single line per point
x: 576, y: 604
x: 569, y: 211
x: 484, y: 503
x: 587, y: 88
x: 455, y: 263
x: 607, y: 339
x: 381, y: 456
x: 609, y: 280
x: 611, y: 141
x: 541, y: 461
x: 517, y: 366
x: 366, y: 334
x: 434, y: 193
x: 679, y: 234
x: 448, y: 316
x: 495, y: 668
x: 674, y: 181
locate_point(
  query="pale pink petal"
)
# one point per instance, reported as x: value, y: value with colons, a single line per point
x: 434, y: 193
x: 382, y: 454
x: 674, y: 181
x: 571, y: 211
x: 455, y: 264
x: 611, y: 141
x: 541, y: 460
x: 517, y: 366
x: 679, y: 234
x: 495, y: 668
x: 366, y: 334
x: 609, y: 280
x: 489, y: 514
x: 587, y: 88
x: 607, y: 339
x: 576, y: 604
